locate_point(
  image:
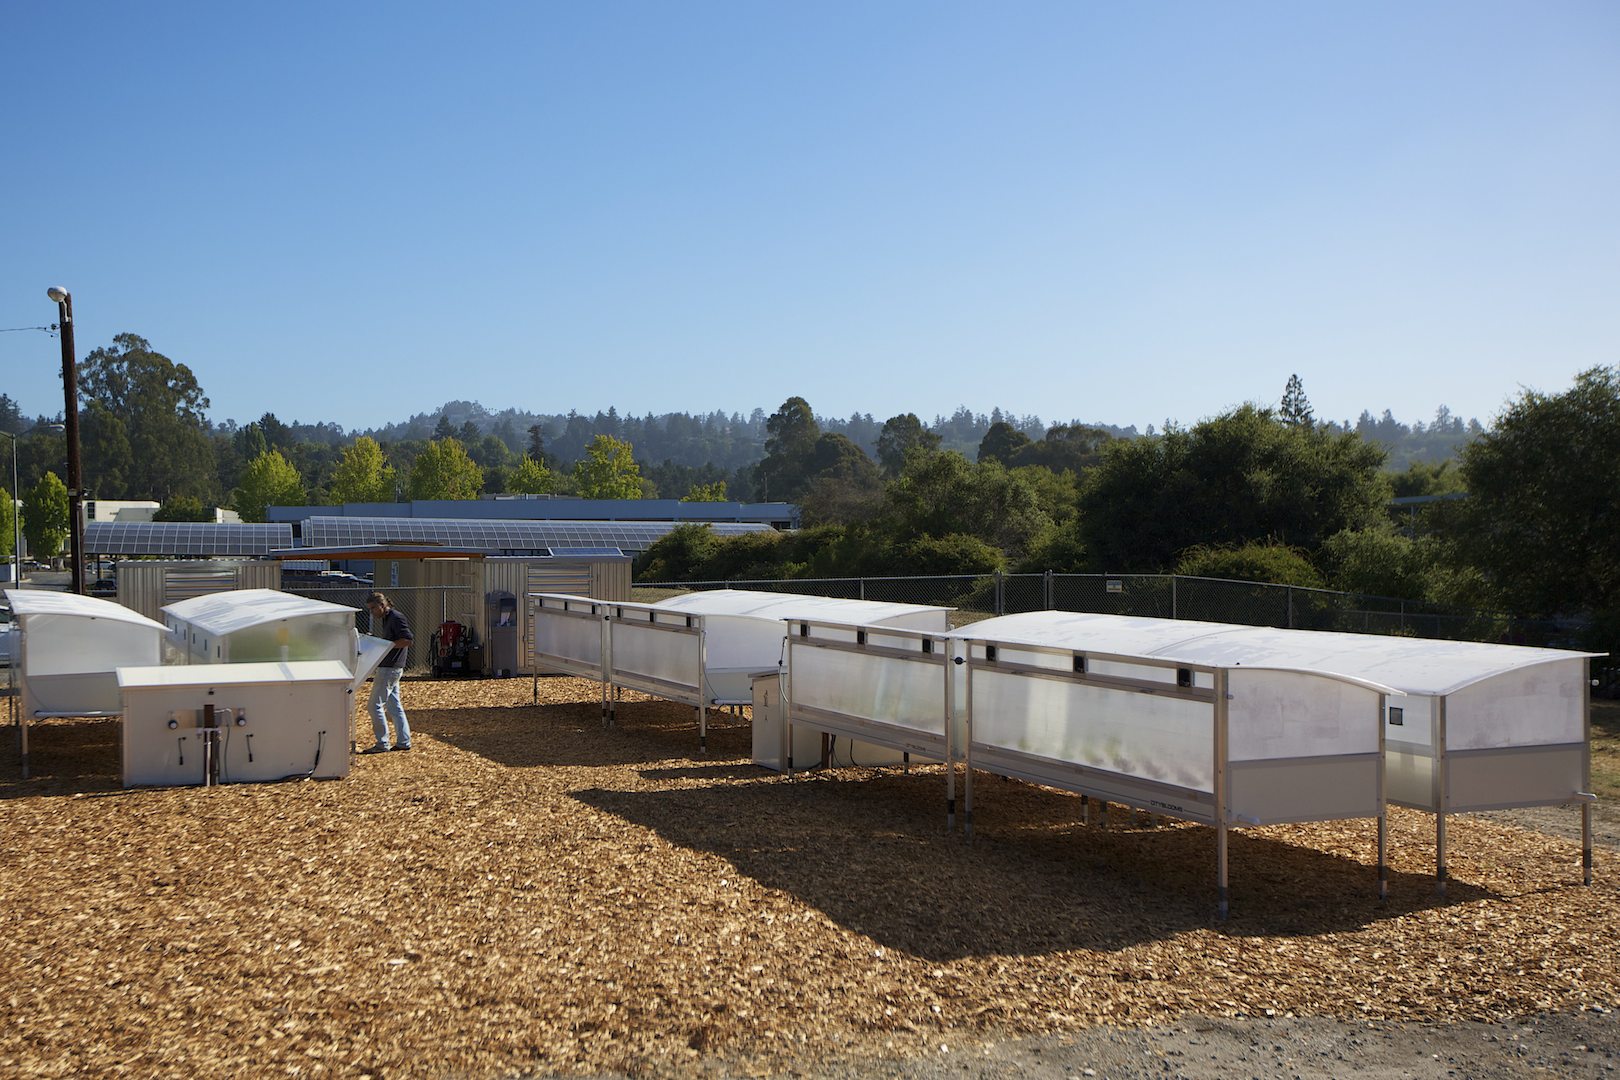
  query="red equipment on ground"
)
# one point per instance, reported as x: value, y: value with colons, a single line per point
x: 453, y: 644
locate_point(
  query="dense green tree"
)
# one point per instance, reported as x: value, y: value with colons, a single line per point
x: 842, y: 484
x: 678, y: 555
x: 1071, y: 447
x: 1296, y: 407
x: 951, y: 555
x: 537, y: 443
x: 444, y: 429
x: 12, y: 420
x: 901, y: 434
x: 1275, y: 564
x: 711, y: 492
x: 1542, y: 515
x: 162, y: 409
x: 791, y: 435
x: 943, y: 494
x: 183, y: 508
x: 277, y: 436
x: 268, y: 480
x: 8, y: 523
x: 1002, y: 443
x: 1378, y: 561
x: 104, y: 450
x: 531, y: 477
x: 362, y: 475
x: 1427, y: 478
x: 45, y: 517
x: 444, y: 471
x: 1244, y: 476
x: 608, y: 471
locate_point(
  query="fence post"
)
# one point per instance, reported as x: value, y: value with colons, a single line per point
x: 1049, y: 591
x: 1290, y: 589
x: 863, y: 588
x: 1175, y: 610
x: 1001, y: 606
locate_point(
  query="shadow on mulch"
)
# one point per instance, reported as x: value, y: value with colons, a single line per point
x: 573, y: 734
x: 68, y: 757
x: 871, y: 852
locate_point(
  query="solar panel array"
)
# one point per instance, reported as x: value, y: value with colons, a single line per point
x: 500, y: 537
x: 183, y: 538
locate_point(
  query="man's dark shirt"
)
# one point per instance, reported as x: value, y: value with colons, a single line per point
x: 393, y: 627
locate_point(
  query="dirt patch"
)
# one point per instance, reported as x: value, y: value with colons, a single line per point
x: 528, y: 893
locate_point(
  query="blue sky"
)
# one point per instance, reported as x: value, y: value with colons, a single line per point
x: 1104, y: 212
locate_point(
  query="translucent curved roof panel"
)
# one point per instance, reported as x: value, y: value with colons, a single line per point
x: 778, y: 606
x: 1411, y: 665
x: 226, y: 612
x: 183, y: 538
x: 28, y: 602
x: 515, y: 537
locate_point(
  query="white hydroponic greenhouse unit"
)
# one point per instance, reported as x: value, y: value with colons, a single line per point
x: 1479, y: 726
x: 1482, y: 727
x: 1025, y: 696
x: 205, y: 724
x: 69, y: 651
x: 701, y: 649
x: 259, y: 626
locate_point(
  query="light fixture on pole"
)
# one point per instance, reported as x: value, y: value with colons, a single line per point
x: 70, y: 416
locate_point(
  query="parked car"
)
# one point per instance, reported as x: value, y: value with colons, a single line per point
x: 106, y: 587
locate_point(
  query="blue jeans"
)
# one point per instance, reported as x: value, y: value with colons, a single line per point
x: 385, y: 694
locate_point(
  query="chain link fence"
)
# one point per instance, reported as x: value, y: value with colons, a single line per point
x: 424, y: 608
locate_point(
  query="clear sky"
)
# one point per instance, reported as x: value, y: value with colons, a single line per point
x: 1083, y: 210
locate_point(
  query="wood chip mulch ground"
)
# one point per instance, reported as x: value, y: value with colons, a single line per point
x: 527, y: 892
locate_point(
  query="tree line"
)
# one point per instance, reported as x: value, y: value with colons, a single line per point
x: 1256, y: 493
x: 1262, y: 492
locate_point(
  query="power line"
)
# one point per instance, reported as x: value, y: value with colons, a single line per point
x: 51, y: 329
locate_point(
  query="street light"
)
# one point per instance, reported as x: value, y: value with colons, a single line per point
x: 16, y: 515
x: 70, y: 414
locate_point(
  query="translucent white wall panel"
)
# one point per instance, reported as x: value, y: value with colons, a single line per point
x: 312, y: 637
x: 890, y: 690
x: 660, y: 654
x: 571, y: 637
x: 1285, y: 714
x: 1530, y: 706
x: 740, y: 643
x: 1169, y: 740
x: 68, y: 644
x: 1409, y: 777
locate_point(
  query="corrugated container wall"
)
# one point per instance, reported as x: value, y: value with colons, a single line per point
x: 149, y: 585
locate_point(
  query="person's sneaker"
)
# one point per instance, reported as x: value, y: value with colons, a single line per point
x: 407, y: 746
x: 377, y: 749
